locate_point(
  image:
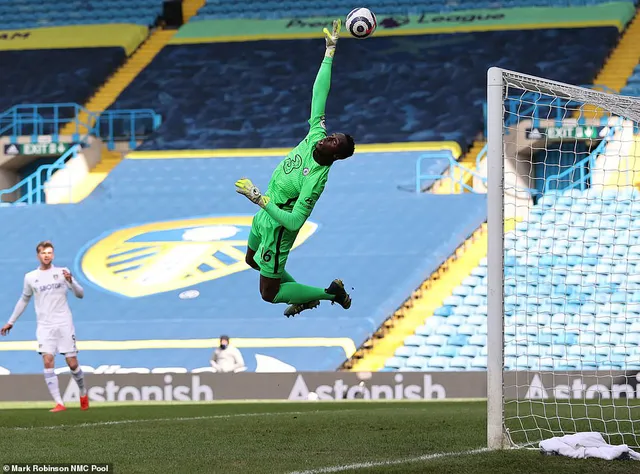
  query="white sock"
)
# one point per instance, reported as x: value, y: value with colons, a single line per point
x: 78, y: 376
x: 52, y: 384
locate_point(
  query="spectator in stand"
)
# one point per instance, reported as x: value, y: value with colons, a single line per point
x: 227, y: 358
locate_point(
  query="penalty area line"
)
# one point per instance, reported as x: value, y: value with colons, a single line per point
x: 392, y: 462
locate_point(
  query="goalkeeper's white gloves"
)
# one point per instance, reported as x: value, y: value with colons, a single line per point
x: 245, y: 187
x: 331, y: 38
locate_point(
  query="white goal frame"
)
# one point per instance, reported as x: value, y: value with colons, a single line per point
x: 497, y: 85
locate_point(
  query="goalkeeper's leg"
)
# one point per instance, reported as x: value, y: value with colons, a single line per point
x: 278, y: 286
x: 269, y: 254
x: 274, y: 290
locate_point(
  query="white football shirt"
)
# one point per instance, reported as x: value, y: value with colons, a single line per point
x: 49, y: 289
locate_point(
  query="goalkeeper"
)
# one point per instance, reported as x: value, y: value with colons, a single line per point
x: 294, y: 189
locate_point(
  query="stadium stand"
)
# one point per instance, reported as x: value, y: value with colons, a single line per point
x: 382, y: 255
x: 632, y: 86
x: 22, y: 14
x: 218, y: 9
x: 563, y: 247
x: 55, y: 75
x: 257, y: 94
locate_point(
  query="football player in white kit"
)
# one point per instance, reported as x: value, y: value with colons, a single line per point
x: 54, y: 330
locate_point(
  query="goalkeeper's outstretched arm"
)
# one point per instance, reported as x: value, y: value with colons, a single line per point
x: 322, y: 83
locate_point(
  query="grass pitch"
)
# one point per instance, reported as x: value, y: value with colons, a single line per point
x: 312, y: 437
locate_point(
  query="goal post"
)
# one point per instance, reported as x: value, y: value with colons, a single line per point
x: 563, y: 261
x: 496, y: 92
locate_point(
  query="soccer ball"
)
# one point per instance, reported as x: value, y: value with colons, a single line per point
x: 312, y: 396
x: 361, y: 23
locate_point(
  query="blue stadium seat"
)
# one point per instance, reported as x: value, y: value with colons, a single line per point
x: 427, y: 351
x: 405, y: 351
x: 33, y: 14
x: 479, y: 362
x: 459, y: 340
x: 414, y: 340
x: 460, y: 363
x: 478, y: 340
x: 274, y: 10
x: 446, y: 330
x: 447, y: 351
x: 225, y: 122
x: 455, y: 320
x: 477, y: 320
x: 436, y: 340
x: 443, y: 311
x: 469, y: 351
x: 55, y: 76
x: 438, y: 363
x: 416, y: 362
x: 395, y: 362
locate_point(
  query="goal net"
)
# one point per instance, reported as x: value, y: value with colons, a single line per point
x: 563, y: 263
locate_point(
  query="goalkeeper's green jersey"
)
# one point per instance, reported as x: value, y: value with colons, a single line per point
x: 298, y: 180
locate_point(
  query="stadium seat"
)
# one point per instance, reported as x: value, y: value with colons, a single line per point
x: 592, y: 320
x: 479, y: 362
x: 438, y: 363
x: 395, y: 362
x: 416, y: 362
x: 427, y: 351
x: 467, y: 330
x: 459, y: 363
x: 55, y: 75
x: 263, y: 71
x: 457, y: 321
x: 436, y: 340
x: 443, y: 311
x: 459, y: 340
x: 447, y: 351
x: 31, y: 14
x: 425, y: 330
x: 446, y: 330
x: 405, y: 351
x: 414, y: 340
x: 214, y: 10
x: 478, y: 340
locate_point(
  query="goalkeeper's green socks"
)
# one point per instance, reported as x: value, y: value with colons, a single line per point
x: 296, y: 293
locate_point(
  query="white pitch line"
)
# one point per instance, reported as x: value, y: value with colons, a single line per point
x: 188, y: 418
x: 394, y: 462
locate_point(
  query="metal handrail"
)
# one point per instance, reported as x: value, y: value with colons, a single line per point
x: 34, y: 182
x: 453, y: 164
x: 591, y: 158
x: 14, y: 121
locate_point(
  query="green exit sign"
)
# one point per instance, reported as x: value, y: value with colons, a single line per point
x: 578, y: 132
x: 37, y: 149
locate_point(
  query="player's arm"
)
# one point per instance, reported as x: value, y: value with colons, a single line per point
x: 73, y: 284
x: 322, y: 83
x: 21, y: 305
x: 301, y: 211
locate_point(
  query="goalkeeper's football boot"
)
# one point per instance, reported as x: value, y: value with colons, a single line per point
x: 298, y: 308
x: 58, y: 408
x: 336, y: 288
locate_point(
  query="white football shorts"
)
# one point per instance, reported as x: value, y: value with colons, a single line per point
x: 57, y: 340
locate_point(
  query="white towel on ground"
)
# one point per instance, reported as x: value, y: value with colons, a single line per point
x: 586, y: 445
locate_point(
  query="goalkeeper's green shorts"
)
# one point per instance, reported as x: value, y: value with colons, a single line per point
x: 271, y: 242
